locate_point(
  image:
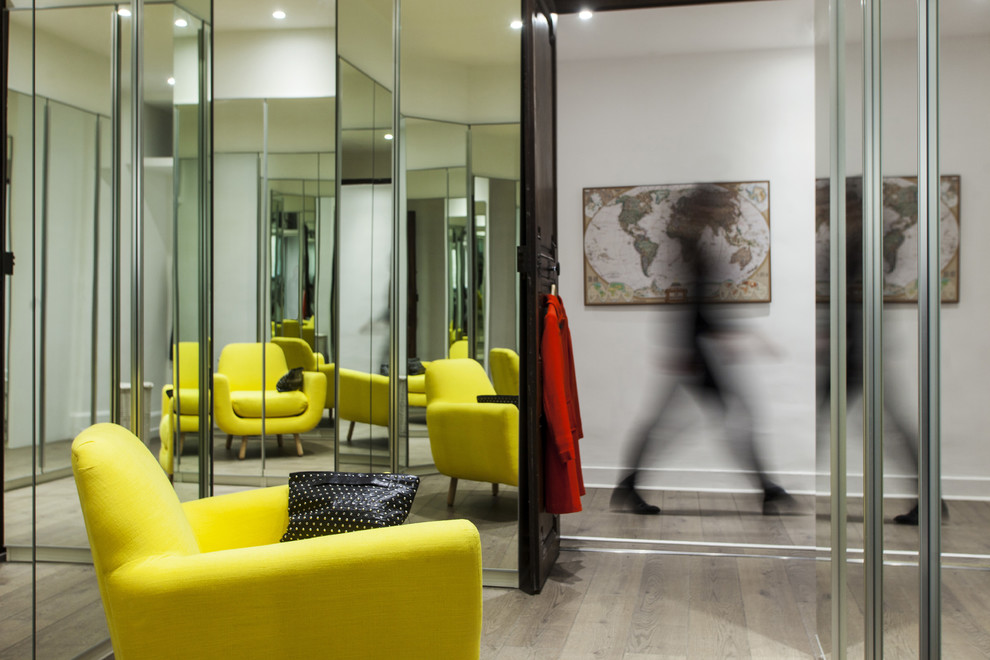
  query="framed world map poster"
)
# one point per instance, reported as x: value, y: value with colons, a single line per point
x: 900, y: 238
x: 639, y: 240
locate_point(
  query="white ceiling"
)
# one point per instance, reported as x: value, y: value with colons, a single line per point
x: 690, y: 29
x: 476, y: 32
x: 257, y: 14
x: 737, y: 26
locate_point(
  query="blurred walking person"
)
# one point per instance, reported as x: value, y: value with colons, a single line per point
x: 702, y: 339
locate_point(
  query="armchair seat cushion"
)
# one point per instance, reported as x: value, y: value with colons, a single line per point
x: 276, y: 404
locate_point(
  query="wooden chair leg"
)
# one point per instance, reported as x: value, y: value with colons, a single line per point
x: 494, y: 490
x: 350, y: 432
x: 299, y: 451
x: 451, y: 491
x: 243, y: 450
x: 278, y: 439
x: 230, y: 439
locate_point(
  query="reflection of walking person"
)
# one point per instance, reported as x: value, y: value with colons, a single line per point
x: 698, y: 367
x: 903, y: 430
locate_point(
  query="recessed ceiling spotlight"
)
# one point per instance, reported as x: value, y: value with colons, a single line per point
x: 278, y: 14
x: 516, y: 25
x: 181, y: 22
x: 171, y: 80
x: 585, y: 15
x: 123, y: 11
x: 388, y: 136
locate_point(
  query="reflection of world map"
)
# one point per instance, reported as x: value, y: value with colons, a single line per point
x: 638, y: 242
x: 900, y: 236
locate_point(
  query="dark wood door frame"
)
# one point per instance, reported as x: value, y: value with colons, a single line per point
x: 8, y: 262
x: 539, y: 531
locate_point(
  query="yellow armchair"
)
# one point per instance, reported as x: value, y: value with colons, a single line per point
x: 246, y: 404
x: 298, y: 353
x: 504, y: 363
x: 363, y: 398
x: 412, y: 591
x: 459, y: 350
x: 470, y: 440
x: 180, y: 405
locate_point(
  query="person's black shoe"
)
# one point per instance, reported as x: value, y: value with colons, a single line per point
x: 777, y: 500
x: 625, y: 498
x: 911, y: 517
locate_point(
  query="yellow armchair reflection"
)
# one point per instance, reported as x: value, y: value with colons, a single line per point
x: 411, y: 591
x: 363, y: 399
x: 180, y: 404
x: 246, y: 401
x: 298, y: 353
x: 470, y: 440
x: 504, y: 363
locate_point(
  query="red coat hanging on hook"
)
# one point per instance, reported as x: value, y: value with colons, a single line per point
x: 563, y: 481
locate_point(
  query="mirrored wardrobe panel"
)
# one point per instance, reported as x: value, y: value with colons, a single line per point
x: 459, y: 161
x: 274, y: 199
x: 108, y: 200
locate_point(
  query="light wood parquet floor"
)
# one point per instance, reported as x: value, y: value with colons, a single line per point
x: 703, y: 580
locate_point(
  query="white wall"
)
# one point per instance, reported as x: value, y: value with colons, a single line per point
x: 252, y: 64
x: 365, y: 253
x: 745, y: 116
x: 678, y: 119
x: 66, y: 72
x: 235, y: 249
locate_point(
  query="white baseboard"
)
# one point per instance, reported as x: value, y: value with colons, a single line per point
x: 798, y: 483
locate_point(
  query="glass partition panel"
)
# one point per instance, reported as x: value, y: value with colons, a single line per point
x: 282, y: 149
x: 74, y: 275
x: 364, y: 253
x: 459, y: 71
x: 705, y: 391
x: 240, y: 284
x: 964, y: 140
x: 58, y: 240
x: 186, y: 415
x: 896, y: 219
x: 435, y: 157
x: 495, y: 167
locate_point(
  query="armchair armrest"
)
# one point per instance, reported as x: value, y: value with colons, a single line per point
x: 327, y: 370
x: 315, y: 387
x: 222, y: 404
x: 239, y: 520
x: 412, y: 591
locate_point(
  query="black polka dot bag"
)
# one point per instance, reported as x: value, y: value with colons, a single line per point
x: 322, y: 503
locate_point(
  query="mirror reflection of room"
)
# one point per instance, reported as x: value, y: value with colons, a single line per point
x: 459, y: 108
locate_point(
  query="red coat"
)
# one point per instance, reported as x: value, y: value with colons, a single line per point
x: 563, y: 481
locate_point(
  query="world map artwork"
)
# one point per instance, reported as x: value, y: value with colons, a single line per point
x: 900, y: 237
x: 639, y: 242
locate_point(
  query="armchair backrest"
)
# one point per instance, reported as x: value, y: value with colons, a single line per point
x: 459, y: 349
x: 456, y: 381
x: 297, y: 352
x: 130, y: 508
x: 504, y: 363
x: 186, y: 365
x: 241, y: 364
x: 290, y: 328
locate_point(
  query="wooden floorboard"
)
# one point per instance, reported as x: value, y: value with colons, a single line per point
x: 616, y: 599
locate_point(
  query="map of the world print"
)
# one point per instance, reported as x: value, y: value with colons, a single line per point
x: 639, y: 240
x: 900, y: 238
